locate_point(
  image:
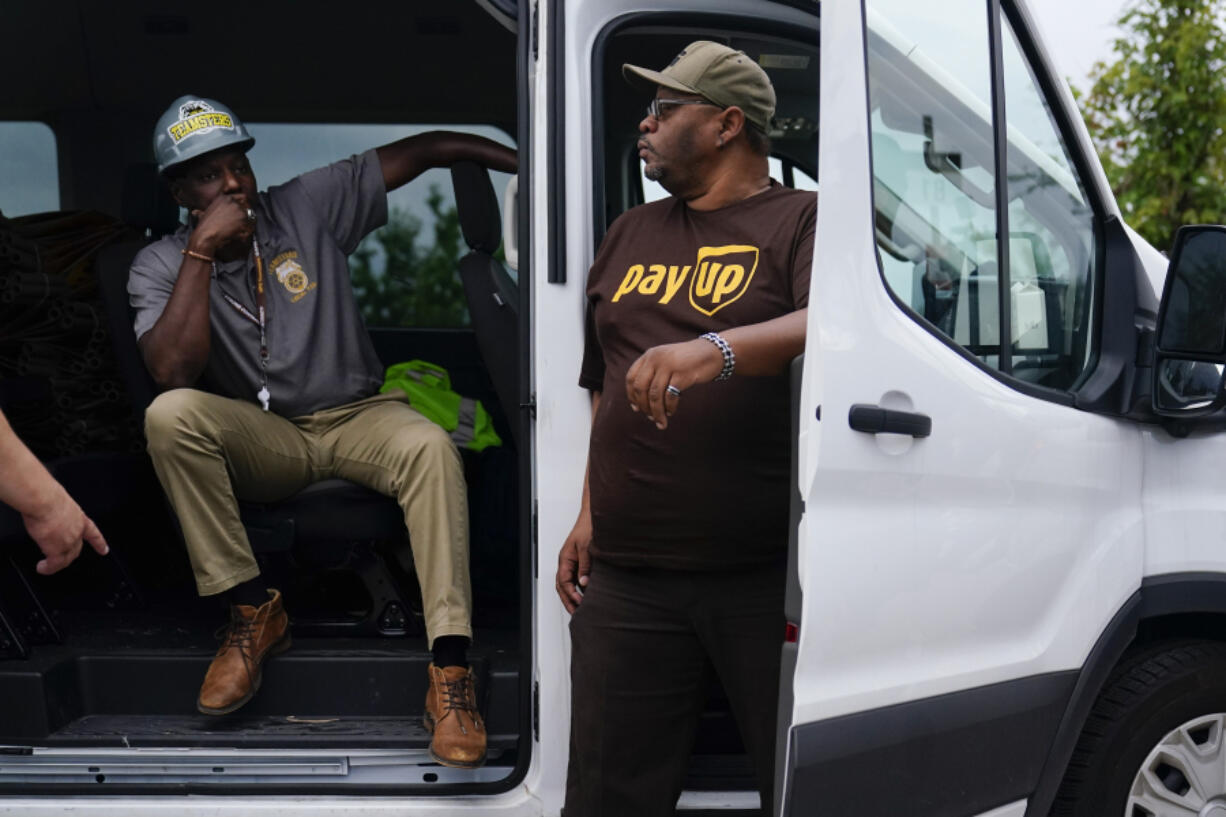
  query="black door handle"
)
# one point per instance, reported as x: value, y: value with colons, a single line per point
x: 877, y: 420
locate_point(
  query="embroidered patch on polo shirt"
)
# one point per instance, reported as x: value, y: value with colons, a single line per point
x: 291, y: 275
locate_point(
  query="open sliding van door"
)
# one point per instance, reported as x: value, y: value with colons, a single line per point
x: 968, y: 532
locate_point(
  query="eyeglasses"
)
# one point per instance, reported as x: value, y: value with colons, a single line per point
x: 659, y: 106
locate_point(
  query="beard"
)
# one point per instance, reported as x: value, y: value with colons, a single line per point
x: 680, y: 178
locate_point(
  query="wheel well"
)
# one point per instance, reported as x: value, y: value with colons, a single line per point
x: 1167, y: 608
x: 1155, y: 691
x: 1176, y: 627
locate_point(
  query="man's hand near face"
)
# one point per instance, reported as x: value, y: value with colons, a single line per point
x: 217, y: 189
x: 222, y: 225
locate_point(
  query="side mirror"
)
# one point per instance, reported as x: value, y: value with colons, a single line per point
x: 1190, y: 346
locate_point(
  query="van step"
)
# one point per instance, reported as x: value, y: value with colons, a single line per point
x: 260, y: 732
x: 361, y: 693
x: 224, y: 767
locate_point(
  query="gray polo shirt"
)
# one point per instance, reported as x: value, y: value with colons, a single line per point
x: 320, y: 354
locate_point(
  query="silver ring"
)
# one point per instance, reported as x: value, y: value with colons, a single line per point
x: 673, y: 390
x: 250, y: 214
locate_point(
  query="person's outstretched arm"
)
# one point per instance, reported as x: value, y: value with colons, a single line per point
x: 54, y: 521
x: 408, y: 158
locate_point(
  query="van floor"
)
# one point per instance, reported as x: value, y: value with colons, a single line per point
x: 129, y: 680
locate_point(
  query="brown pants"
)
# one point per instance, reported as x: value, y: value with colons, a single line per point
x: 643, y: 642
x: 210, y: 451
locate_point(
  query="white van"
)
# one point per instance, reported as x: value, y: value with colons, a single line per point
x: 1009, y: 576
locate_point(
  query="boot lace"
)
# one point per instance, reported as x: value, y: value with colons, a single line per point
x: 460, y: 696
x: 240, y: 633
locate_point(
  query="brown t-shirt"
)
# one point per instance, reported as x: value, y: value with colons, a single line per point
x: 710, y: 491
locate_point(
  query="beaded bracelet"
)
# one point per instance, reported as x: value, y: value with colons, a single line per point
x: 726, y: 351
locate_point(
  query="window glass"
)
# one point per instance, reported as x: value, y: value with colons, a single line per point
x: 802, y: 180
x: 405, y: 273
x: 933, y: 165
x: 652, y: 191
x: 29, y: 176
x: 1051, y: 235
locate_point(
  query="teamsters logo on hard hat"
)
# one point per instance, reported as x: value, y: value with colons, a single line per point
x: 198, y: 116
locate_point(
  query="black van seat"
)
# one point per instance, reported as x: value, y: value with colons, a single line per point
x: 333, y: 517
x: 493, y: 296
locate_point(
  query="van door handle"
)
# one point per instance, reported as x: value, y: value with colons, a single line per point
x: 877, y: 420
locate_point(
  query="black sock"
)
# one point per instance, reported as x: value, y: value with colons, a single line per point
x: 252, y: 592
x: 450, y: 651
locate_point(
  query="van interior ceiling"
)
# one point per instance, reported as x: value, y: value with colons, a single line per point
x: 100, y: 74
x: 105, y: 658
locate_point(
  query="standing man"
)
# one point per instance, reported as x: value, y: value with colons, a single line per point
x: 246, y: 316
x: 696, y: 305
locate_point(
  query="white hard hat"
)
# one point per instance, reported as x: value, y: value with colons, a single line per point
x: 193, y: 126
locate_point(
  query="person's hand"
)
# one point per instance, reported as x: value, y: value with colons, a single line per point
x: 679, y: 365
x: 60, y: 530
x: 222, y: 223
x: 574, y: 563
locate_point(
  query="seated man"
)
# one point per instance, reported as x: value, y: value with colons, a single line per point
x: 247, y: 318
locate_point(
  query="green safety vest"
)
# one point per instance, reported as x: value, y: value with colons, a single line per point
x: 429, y: 389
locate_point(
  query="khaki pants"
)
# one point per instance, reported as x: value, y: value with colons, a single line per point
x: 210, y: 451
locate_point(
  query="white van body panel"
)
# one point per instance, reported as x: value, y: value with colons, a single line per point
x: 905, y: 542
x: 1154, y: 262
x: 1185, y: 503
x: 559, y: 437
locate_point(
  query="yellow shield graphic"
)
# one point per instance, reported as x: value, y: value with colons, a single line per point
x: 721, y: 275
x: 291, y: 274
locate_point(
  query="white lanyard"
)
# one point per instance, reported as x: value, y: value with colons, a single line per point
x: 261, y: 321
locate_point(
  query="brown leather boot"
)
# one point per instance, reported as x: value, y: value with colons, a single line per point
x: 452, y: 718
x: 251, y: 636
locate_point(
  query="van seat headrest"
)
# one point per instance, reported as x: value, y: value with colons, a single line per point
x: 147, y: 202
x: 477, y: 206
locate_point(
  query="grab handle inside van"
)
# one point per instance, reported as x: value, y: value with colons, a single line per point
x: 510, y: 222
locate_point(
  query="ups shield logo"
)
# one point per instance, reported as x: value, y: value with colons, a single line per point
x: 721, y: 275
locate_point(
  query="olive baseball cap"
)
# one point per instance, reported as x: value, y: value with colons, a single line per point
x: 716, y: 72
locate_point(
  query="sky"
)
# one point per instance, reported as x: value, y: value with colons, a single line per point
x: 1077, y: 33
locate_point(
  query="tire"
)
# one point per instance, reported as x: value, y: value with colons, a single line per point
x: 1171, y: 696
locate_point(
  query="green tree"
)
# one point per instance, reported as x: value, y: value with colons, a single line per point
x: 417, y: 286
x: 1157, y: 115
